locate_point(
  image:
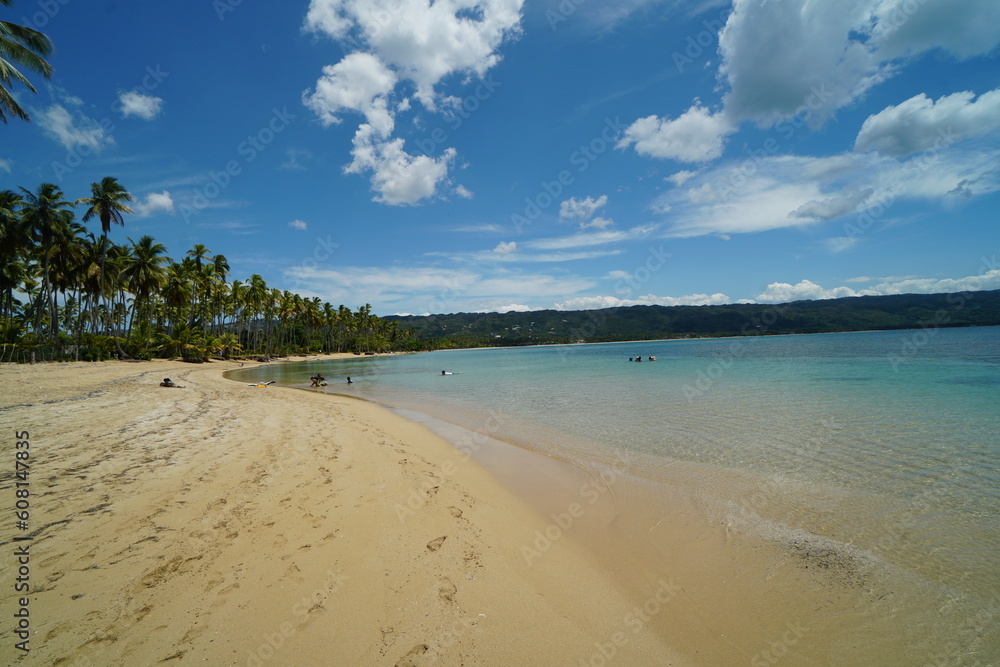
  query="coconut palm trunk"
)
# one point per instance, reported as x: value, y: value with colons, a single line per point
x: 108, y: 203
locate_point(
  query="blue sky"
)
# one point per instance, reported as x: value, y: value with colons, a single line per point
x: 510, y: 154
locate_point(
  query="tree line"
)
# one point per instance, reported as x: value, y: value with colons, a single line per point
x: 67, y: 293
x: 857, y: 313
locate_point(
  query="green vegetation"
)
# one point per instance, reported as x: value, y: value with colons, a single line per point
x: 66, y: 294
x: 25, y: 47
x: 905, y: 311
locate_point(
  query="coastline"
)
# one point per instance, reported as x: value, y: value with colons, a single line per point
x: 234, y: 525
x: 244, y: 526
x: 755, y: 558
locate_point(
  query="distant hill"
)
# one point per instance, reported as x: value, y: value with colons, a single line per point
x: 904, y: 311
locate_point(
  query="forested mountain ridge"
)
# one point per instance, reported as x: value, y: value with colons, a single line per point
x: 903, y: 311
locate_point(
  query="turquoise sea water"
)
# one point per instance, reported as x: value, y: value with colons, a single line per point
x: 884, y: 442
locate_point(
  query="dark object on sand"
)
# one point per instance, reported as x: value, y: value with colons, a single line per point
x: 167, y: 382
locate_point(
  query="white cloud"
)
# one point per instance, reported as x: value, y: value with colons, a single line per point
x: 921, y: 124
x: 510, y: 308
x: 73, y: 133
x: 697, y: 135
x: 6, y: 165
x: 360, y: 83
x: 400, y: 179
x: 761, y: 204
x: 787, y: 58
x: 886, y: 279
x: 510, y: 253
x: 591, y: 238
x: 833, y: 207
x: 681, y: 177
x: 155, y: 202
x: 988, y: 280
x: 785, y: 191
x: 803, y: 290
x: 574, y: 209
x: 134, y: 103
x: 808, y: 290
x: 781, y: 56
x: 907, y: 27
x: 431, y: 289
x: 598, y: 302
x: 583, y: 210
x: 422, y: 41
x: 299, y: 225
x: 392, y: 42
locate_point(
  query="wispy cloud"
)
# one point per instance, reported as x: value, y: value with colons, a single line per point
x: 433, y: 289
x: 73, y: 130
x: 586, y: 239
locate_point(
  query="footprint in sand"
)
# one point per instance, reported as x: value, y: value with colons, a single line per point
x: 410, y: 659
x: 434, y: 545
x: 192, y: 634
x: 57, y: 630
x: 219, y: 597
x: 294, y: 573
x: 447, y: 590
x: 455, y: 512
x: 138, y: 615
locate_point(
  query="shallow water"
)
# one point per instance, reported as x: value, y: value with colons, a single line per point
x: 873, y: 452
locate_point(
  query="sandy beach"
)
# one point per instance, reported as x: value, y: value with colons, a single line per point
x: 223, y: 524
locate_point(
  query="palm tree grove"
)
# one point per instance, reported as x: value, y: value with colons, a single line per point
x: 67, y: 293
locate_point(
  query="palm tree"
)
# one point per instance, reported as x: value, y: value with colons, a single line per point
x: 186, y: 342
x: 256, y: 296
x: 144, y: 274
x: 227, y: 344
x: 199, y: 254
x: 176, y: 293
x: 107, y: 202
x: 202, y: 256
x: 25, y: 47
x: 15, y: 244
x: 45, y: 213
